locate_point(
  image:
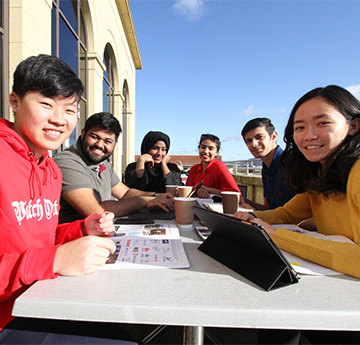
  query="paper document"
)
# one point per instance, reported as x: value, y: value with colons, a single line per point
x: 303, y: 266
x: 200, y: 201
x: 218, y: 207
x: 142, y: 246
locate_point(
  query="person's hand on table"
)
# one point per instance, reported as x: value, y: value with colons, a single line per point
x: 250, y: 217
x: 203, y: 193
x: 99, y: 224
x: 165, y: 195
x: 83, y: 255
x: 164, y: 201
x: 243, y: 203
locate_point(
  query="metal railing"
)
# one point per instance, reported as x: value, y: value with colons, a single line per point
x: 245, y: 167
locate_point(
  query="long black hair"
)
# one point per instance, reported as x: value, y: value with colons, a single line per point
x: 303, y: 175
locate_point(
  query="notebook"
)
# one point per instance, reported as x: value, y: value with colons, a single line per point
x: 246, y: 248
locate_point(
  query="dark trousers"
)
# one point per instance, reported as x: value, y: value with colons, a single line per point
x: 40, y: 331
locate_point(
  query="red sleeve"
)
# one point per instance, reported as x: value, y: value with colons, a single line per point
x: 227, y: 180
x: 67, y: 232
x: 190, y: 179
x: 19, y: 270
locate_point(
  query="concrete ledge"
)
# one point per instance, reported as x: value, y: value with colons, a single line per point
x: 254, y: 186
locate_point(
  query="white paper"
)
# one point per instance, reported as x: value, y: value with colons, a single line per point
x: 303, y: 266
x: 143, y: 246
x: 156, y: 230
x: 218, y: 207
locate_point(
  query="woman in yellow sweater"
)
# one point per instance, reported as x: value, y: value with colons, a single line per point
x: 321, y: 161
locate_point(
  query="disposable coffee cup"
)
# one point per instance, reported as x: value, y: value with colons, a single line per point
x: 184, y: 191
x: 230, y: 202
x: 172, y: 189
x: 184, y: 215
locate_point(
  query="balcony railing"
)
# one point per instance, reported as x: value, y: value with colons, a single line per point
x: 245, y: 167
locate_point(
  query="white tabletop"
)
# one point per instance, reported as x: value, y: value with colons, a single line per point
x: 207, y: 294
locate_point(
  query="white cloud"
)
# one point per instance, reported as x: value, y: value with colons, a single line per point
x: 190, y: 9
x: 232, y: 138
x: 355, y: 90
x: 249, y: 111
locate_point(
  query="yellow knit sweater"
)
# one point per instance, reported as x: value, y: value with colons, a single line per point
x: 338, y: 214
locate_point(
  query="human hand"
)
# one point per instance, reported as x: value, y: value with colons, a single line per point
x: 164, y: 201
x: 166, y: 195
x: 268, y: 228
x: 244, y: 215
x: 179, y: 164
x: 146, y: 158
x: 203, y: 193
x: 166, y: 159
x: 247, y: 206
x: 83, y: 255
x: 243, y: 203
x: 99, y: 224
x: 250, y: 217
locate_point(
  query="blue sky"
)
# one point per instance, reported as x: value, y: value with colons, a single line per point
x: 209, y: 66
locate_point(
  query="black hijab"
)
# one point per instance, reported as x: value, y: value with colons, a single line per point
x: 151, y: 139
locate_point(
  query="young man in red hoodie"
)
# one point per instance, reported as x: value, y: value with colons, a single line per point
x: 45, y: 101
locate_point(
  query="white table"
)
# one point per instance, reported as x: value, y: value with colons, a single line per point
x: 206, y: 295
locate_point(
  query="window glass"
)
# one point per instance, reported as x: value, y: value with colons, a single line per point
x: 71, y: 48
x: 69, y: 10
x: 67, y: 45
x: 105, y: 94
x: 83, y: 67
x: 108, y: 87
x: 53, y: 31
x: 83, y: 38
x: 125, y: 93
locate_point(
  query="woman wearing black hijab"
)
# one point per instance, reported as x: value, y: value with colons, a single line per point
x: 152, y: 171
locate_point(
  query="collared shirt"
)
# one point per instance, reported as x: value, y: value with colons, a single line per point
x: 275, y: 190
x: 216, y: 175
x: 78, y: 172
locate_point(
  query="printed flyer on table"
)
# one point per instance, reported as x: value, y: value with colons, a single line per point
x: 139, y: 246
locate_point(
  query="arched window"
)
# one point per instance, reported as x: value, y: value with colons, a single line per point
x: 69, y: 44
x: 125, y: 92
x: 126, y: 125
x: 108, y: 86
x: 108, y: 82
x: 4, y: 63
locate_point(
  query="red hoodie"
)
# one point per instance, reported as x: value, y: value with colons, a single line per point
x: 29, y: 210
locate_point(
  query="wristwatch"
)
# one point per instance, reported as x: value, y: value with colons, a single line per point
x: 155, y: 194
